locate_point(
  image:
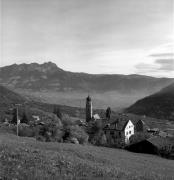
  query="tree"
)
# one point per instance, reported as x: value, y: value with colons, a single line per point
x: 57, y: 112
x: 14, y: 118
x: 25, y: 118
x: 108, y: 113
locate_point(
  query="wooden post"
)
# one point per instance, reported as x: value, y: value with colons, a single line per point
x: 17, y: 120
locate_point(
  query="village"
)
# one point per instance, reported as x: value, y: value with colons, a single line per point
x: 131, y: 134
x: 108, y: 129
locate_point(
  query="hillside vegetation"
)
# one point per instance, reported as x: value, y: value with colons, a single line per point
x: 159, y: 105
x: 26, y: 158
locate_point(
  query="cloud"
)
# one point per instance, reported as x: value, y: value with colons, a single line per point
x: 165, y: 64
x: 145, y: 68
x: 162, y: 55
x: 161, y: 63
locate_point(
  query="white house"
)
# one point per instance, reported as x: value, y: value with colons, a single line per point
x: 128, y: 130
x: 96, y: 117
x: 119, y: 130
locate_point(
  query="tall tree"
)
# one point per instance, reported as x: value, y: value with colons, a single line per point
x: 57, y: 112
x: 14, y: 118
x: 25, y: 118
x: 108, y: 113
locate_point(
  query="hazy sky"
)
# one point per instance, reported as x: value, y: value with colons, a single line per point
x: 94, y: 36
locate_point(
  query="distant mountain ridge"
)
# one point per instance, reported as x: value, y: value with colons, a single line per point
x: 159, y: 105
x: 48, y: 76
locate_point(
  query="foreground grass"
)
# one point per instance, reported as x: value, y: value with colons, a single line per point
x: 26, y: 158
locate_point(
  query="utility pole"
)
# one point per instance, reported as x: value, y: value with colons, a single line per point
x: 17, y: 118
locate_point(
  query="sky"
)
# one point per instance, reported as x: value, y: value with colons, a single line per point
x: 93, y: 36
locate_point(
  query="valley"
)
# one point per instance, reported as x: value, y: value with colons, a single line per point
x: 49, y: 83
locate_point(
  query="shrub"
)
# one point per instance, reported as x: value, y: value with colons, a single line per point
x: 77, y: 132
x: 26, y: 131
x: 138, y: 137
x: 50, y: 132
x: 66, y: 120
x: 99, y: 138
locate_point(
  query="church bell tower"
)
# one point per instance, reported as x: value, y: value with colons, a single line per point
x: 88, y: 109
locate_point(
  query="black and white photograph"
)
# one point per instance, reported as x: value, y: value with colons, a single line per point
x: 86, y: 89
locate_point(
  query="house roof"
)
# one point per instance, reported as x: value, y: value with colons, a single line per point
x: 160, y: 141
x: 117, y: 125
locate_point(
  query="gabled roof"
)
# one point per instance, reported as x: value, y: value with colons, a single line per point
x: 160, y: 141
x: 117, y: 125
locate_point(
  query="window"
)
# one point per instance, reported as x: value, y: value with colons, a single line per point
x: 126, y: 133
x: 129, y: 132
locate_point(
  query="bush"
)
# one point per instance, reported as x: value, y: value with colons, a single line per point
x: 99, y: 138
x: 50, y: 132
x: 26, y: 131
x: 41, y: 138
x: 138, y: 137
x: 66, y: 120
x: 77, y: 132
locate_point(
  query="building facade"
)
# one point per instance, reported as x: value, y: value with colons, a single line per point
x: 119, y: 131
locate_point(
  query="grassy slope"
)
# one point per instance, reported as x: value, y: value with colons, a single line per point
x: 24, y: 157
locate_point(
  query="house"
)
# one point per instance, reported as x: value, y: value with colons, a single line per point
x: 96, y: 117
x: 152, y: 145
x: 36, y: 118
x: 153, y: 131
x: 119, y: 130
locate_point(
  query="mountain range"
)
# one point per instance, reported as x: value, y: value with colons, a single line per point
x: 49, y: 76
x: 55, y: 85
x: 159, y: 105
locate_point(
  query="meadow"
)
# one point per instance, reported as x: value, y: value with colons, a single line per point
x: 26, y: 158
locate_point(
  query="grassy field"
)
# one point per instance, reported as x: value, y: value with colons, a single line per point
x: 26, y: 158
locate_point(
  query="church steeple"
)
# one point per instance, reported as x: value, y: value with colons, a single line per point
x: 88, y: 109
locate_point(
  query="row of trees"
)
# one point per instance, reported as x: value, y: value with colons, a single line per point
x: 51, y: 131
